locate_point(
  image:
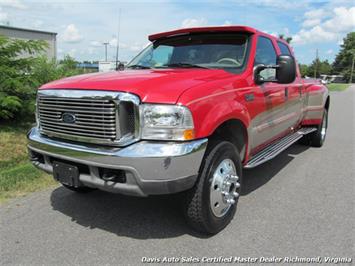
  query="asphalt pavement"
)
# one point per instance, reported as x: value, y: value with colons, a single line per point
x: 299, y: 205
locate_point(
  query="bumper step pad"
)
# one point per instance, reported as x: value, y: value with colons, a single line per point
x: 277, y: 147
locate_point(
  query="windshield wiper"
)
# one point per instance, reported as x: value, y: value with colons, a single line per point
x: 185, y: 65
x: 138, y: 67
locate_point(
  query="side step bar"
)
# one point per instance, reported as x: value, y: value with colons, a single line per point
x: 277, y: 147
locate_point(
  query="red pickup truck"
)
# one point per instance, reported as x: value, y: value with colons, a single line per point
x: 186, y: 115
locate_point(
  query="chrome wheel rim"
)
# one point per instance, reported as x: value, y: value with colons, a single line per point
x: 324, y: 127
x: 224, y: 186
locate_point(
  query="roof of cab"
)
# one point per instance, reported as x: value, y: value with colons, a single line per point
x: 166, y: 34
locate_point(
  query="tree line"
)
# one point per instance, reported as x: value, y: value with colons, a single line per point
x: 342, y: 65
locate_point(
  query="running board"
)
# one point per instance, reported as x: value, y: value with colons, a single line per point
x: 277, y: 147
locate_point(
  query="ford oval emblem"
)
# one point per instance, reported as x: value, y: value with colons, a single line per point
x: 68, y: 118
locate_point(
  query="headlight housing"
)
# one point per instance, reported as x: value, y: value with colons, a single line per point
x: 166, y: 122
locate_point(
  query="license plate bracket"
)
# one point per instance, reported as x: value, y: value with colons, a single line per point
x: 66, y: 173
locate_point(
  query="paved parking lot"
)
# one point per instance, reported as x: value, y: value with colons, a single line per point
x: 300, y: 204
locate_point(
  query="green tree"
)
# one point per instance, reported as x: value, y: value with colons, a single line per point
x: 325, y: 68
x: 343, y: 60
x: 322, y: 67
x: 303, y: 69
x: 17, y: 58
x: 45, y: 70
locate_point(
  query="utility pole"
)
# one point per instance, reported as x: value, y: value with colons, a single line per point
x: 316, y: 65
x: 352, y: 69
x: 118, y: 37
x: 105, y: 43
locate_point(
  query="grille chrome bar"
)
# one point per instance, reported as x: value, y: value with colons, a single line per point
x: 78, y: 109
x: 103, y: 128
x: 46, y: 119
x: 70, y: 103
x: 67, y: 133
x: 96, y: 116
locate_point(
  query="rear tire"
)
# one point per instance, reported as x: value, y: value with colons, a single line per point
x: 206, y: 208
x: 79, y: 189
x: 317, y: 138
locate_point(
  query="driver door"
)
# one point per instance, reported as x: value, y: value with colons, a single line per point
x: 265, y: 125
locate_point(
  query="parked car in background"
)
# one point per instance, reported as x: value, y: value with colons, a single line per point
x: 186, y: 116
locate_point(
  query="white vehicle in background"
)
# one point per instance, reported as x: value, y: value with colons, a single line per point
x: 106, y: 66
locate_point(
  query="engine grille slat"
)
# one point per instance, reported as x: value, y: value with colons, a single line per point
x: 45, y: 102
x: 76, y: 105
x: 69, y: 133
x: 79, y: 126
x: 81, y: 122
x: 98, y: 119
x: 77, y: 109
x: 81, y: 100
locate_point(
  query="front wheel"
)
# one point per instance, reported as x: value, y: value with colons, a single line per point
x: 211, y: 204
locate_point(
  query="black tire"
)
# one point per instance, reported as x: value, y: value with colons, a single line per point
x: 197, y: 206
x: 317, y: 138
x: 304, y: 140
x: 79, y: 189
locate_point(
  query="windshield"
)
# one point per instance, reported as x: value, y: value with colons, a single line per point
x: 215, y: 51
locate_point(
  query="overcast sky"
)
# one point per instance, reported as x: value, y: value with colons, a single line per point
x: 83, y: 25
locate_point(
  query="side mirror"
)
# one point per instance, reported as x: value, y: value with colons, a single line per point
x: 286, y: 70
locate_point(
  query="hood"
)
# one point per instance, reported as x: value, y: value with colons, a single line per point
x: 158, y: 85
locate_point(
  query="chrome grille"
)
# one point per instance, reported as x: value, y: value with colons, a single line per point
x: 93, y: 118
x: 96, y: 116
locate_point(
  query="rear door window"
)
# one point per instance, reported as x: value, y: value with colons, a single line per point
x: 284, y: 48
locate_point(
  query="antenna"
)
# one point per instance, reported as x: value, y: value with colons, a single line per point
x: 118, y: 36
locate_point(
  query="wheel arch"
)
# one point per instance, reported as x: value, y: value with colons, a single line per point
x: 235, y: 131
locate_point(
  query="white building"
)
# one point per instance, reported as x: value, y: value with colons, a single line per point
x: 29, y: 34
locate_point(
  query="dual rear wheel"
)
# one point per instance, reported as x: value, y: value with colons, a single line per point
x: 317, y: 138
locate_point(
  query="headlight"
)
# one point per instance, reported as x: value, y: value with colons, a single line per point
x: 166, y: 122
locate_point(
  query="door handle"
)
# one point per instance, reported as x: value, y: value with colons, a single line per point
x: 300, y: 90
x: 286, y: 93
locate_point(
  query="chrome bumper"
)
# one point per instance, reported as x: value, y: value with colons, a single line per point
x: 150, y: 167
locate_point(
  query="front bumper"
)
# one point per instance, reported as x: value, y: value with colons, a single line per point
x: 150, y: 167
